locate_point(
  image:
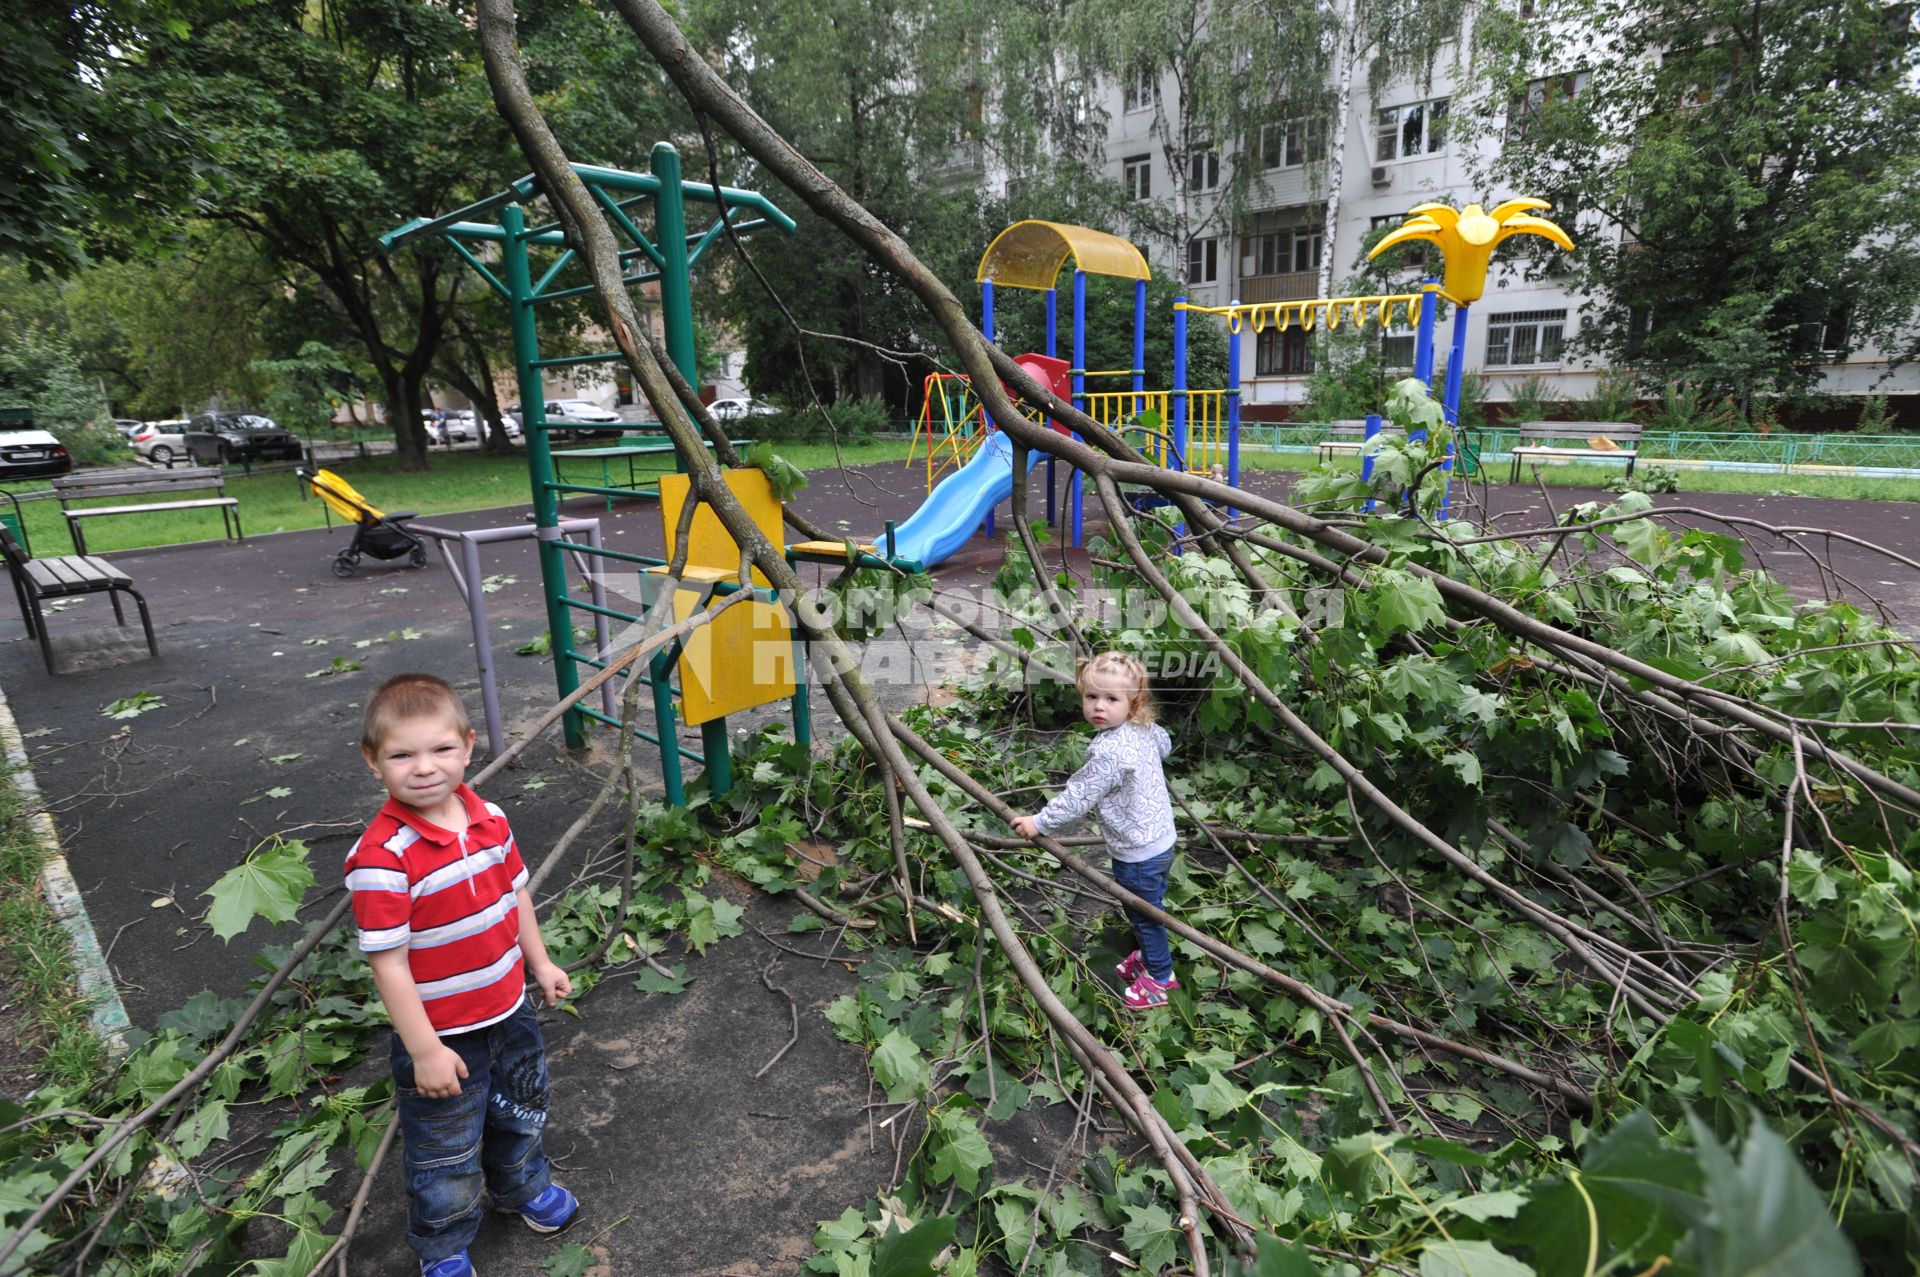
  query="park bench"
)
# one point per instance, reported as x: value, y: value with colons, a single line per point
x: 1578, y: 441
x: 37, y: 580
x: 1348, y: 436
x: 140, y: 482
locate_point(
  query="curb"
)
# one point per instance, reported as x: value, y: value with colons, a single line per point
x: 96, y: 986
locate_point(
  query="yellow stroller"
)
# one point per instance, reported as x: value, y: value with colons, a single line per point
x: 382, y: 536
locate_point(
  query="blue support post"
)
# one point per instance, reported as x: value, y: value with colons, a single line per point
x: 1179, y: 423
x: 1053, y: 352
x: 1423, y: 341
x: 1233, y: 405
x: 1456, y: 367
x: 1079, y: 389
x: 986, y: 329
x: 1139, y: 343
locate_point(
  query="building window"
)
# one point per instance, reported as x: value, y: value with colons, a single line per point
x: 1281, y: 252
x: 1523, y: 113
x: 1139, y: 91
x: 1396, y: 350
x: 1139, y: 176
x: 1524, y: 338
x: 1293, y: 143
x: 1404, y: 132
x: 1282, y: 354
x: 1418, y: 257
x: 1203, y: 260
x: 1203, y: 169
x: 1827, y: 333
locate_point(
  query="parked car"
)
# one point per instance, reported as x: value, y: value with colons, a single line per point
x: 725, y: 410
x: 128, y: 426
x: 28, y: 452
x: 216, y: 437
x: 459, y: 428
x: 161, y: 441
x: 595, y: 422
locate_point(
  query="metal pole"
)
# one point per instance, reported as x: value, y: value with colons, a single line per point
x: 986, y: 309
x: 1366, y: 453
x: 1456, y: 366
x: 676, y: 309
x: 546, y: 509
x: 1233, y: 406
x: 1139, y: 343
x: 1179, y: 383
x: 1079, y: 389
x: 1053, y: 352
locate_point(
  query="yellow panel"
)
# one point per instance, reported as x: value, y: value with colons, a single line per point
x: 710, y: 544
x: 741, y: 659
x: 1029, y: 255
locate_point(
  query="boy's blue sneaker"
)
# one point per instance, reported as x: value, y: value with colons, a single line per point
x: 550, y: 1212
x: 452, y: 1266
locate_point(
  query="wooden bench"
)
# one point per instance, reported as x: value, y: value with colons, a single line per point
x: 1577, y: 440
x: 140, y: 482
x: 36, y: 580
x: 1349, y: 436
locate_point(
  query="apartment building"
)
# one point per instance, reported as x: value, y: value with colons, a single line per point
x: 1401, y: 149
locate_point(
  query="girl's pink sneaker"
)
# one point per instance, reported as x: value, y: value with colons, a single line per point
x: 1146, y: 992
x: 1130, y: 966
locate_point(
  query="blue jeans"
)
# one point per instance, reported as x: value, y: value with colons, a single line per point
x: 1147, y: 879
x: 488, y: 1135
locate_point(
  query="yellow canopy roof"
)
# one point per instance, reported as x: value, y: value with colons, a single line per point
x: 1029, y: 255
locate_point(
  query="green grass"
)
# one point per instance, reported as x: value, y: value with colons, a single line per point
x: 36, y: 962
x: 275, y: 502
x: 1837, y: 487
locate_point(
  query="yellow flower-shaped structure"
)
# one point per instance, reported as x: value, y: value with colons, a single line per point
x: 1468, y: 236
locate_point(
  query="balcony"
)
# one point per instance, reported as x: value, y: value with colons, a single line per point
x: 1293, y: 287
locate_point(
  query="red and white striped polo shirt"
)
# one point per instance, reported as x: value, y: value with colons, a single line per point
x: 452, y: 900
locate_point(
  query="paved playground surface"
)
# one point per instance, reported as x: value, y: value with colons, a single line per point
x: 688, y: 1166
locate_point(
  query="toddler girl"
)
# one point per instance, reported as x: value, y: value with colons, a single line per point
x: 1125, y: 790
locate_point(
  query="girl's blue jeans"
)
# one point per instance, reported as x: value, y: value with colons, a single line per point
x: 488, y: 1136
x: 1147, y: 879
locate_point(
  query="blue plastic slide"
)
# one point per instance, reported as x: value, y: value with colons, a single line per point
x: 959, y: 504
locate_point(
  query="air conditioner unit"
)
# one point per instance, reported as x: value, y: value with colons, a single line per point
x: 1382, y: 175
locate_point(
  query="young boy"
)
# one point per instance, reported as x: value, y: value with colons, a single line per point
x: 439, y: 893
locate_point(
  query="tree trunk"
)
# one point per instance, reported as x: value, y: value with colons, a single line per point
x: 1337, y: 151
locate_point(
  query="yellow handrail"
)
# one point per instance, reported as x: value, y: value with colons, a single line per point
x: 1323, y: 312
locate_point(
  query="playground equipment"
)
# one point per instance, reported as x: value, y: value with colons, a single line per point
x: 1200, y: 429
x: 664, y: 257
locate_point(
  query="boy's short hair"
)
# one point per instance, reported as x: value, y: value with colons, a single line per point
x: 410, y: 696
x: 1140, y: 708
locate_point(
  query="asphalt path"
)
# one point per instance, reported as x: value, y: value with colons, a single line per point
x: 686, y: 1163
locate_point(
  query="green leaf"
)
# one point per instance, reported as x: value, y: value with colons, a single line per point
x: 1766, y: 1217
x: 1403, y: 602
x: 652, y: 981
x: 900, y: 1068
x: 962, y: 1151
x: 911, y: 1254
x: 1355, y: 1163
x: 783, y: 476
x: 1217, y: 1096
x: 269, y: 883
x: 1485, y: 1206
x: 1444, y: 1257
x: 571, y: 1260
x: 133, y: 706
x: 208, y: 1123
x: 1463, y: 765
x: 1149, y: 1236
x: 281, y: 760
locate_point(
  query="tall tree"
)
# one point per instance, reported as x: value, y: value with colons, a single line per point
x: 1742, y: 175
x: 338, y: 121
x: 90, y: 159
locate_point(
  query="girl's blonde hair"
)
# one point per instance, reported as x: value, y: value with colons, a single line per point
x: 1129, y: 667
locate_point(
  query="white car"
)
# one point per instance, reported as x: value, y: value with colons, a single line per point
x: 161, y: 441
x: 741, y: 409
x: 605, y: 423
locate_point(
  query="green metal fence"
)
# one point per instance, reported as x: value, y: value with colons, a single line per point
x: 1714, y: 449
